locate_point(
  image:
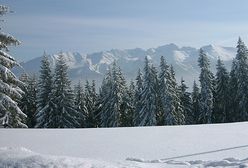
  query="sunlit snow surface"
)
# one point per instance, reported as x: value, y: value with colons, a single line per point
x: 219, y: 145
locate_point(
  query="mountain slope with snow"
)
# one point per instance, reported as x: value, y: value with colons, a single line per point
x: 212, y: 145
x: 95, y: 65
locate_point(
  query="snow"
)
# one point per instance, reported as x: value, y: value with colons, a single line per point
x: 184, y: 59
x: 23, y: 158
x: 166, y: 146
x: 107, y: 58
x: 180, y: 56
x: 224, y: 53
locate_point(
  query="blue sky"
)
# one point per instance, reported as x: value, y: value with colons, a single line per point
x: 93, y: 25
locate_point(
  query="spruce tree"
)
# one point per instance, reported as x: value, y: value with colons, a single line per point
x: 233, y: 112
x: 90, y: 105
x: 10, y: 114
x: 206, y: 81
x: 242, y: 76
x: 94, y: 96
x: 174, y: 112
x: 104, y: 97
x: 63, y: 111
x: 137, y: 98
x: 148, y: 96
x: 28, y: 100
x: 222, y: 94
x: 187, y: 104
x: 162, y: 90
x: 128, y: 106
x: 115, y: 86
x: 80, y: 105
x: 195, y: 104
x: 44, y: 90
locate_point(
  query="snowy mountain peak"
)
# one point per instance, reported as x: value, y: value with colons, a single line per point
x: 216, y: 51
x: 93, y: 66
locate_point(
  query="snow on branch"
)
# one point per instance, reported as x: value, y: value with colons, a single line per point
x: 6, y: 40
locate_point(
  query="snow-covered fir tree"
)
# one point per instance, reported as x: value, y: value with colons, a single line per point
x: 63, y: 111
x: 128, y: 106
x: 115, y: 86
x: 94, y: 96
x: 10, y: 114
x: 233, y: 113
x: 103, y: 98
x: 80, y: 105
x: 221, y: 94
x: 174, y: 112
x: 206, y: 81
x: 148, y: 96
x: 196, y: 103
x: 162, y: 94
x: 137, y: 98
x: 186, y: 102
x: 44, y: 90
x: 242, y: 76
x: 90, y: 103
x: 28, y: 100
x: 98, y: 97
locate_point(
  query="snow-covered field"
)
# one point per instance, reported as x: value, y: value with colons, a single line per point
x: 217, y: 145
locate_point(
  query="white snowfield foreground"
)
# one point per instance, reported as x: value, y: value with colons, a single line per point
x: 24, y: 158
x: 217, y: 145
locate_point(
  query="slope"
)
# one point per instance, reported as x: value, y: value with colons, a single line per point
x: 182, y: 144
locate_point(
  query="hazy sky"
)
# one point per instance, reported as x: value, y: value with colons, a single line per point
x: 93, y: 25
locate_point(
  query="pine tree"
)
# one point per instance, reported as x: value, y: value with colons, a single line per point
x: 195, y: 104
x: 28, y: 100
x: 137, y: 98
x: 186, y: 103
x: 10, y: 114
x: 206, y: 80
x: 44, y: 90
x: 148, y: 96
x: 222, y: 94
x: 63, y: 111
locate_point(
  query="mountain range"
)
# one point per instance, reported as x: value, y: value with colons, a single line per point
x: 94, y: 66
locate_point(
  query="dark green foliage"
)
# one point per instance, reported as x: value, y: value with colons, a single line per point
x: 113, y: 90
x: 128, y: 107
x: 207, y: 89
x: 187, y: 104
x: 221, y: 94
x: 242, y: 75
x: 174, y: 115
x: 148, y: 96
x: 44, y: 90
x: 195, y: 104
x: 63, y: 111
x: 137, y: 99
x: 28, y: 100
x: 80, y: 105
